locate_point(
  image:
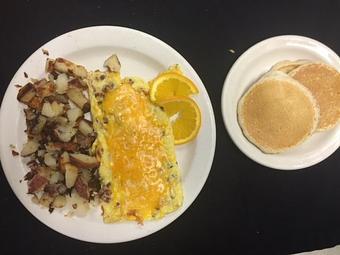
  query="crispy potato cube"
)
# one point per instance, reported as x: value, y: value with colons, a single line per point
x: 71, y: 175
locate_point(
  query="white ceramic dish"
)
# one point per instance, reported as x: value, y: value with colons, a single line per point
x: 140, y: 55
x: 248, y: 68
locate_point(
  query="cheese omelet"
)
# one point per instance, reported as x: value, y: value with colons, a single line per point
x: 135, y: 146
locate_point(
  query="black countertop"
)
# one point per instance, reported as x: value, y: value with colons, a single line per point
x: 244, y: 208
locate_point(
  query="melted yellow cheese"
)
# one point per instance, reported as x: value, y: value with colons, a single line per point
x: 135, y: 141
x: 138, y: 157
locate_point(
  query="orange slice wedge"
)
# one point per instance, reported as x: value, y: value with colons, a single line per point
x: 185, y: 117
x: 171, y: 85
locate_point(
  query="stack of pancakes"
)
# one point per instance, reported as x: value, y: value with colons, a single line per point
x: 289, y: 103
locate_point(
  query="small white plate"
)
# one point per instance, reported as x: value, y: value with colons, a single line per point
x: 248, y: 68
x: 140, y: 55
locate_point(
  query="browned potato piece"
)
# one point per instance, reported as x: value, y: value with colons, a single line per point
x: 52, y: 110
x: 36, y: 103
x: 44, y: 171
x: 84, y: 142
x: 85, y: 127
x: 112, y: 63
x: 61, y: 99
x: 41, y: 121
x: 63, y: 160
x: 64, y: 133
x: 68, y: 146
x: 49, y: 66
x: 51, y: 147
x: 57, y: 108
x: 60, y: 120
x: 37, y: 183
x: 50, y: 160
x: 71, y: 174
x: 62, y: 65
x: 44, y: 88
x: 74, y: 114
x: 78, y: 98
x: 26, y: 93
x: 29, y: 148
x: 82, y: 188
x: 30, y: 114
x: 47, y: 110
x: 83, y: 161
x: 77, y: 83
x: 61, y: 83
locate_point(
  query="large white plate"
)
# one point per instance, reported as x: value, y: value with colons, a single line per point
x: 140, y: 55
x: 248, y: 68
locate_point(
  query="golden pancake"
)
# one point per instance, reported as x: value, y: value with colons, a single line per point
x: 324, y: 83
x: 277, y: 113
x: 287, y: 66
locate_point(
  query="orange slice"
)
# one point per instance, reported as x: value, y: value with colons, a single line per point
x: 171, y: 85
x: 185, y: 117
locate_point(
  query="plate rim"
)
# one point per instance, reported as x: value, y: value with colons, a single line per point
x: 210, y: 116
x: 224, y: 97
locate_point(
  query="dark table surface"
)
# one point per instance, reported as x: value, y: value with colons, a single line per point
x: 244, y: 208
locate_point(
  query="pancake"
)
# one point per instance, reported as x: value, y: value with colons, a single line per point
x: 324, y: 83
x: 287, y: 66
x: 277, y: 113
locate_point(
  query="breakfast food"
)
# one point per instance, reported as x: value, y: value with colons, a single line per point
x: 287, y: 66
x: 324, y: 83
x: 172, y: 90
x: 277, y: 113
x: 58, y: 148
x: 171, y: 84
x: 97, y: 139
x: 185, y: 125
x: 135, y: 147
x: 275, y: 119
